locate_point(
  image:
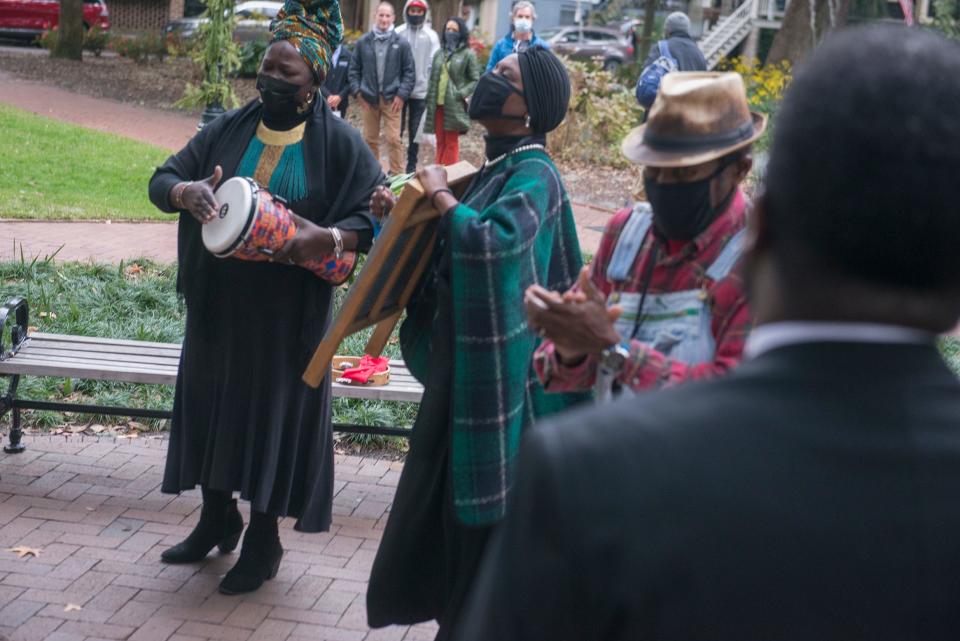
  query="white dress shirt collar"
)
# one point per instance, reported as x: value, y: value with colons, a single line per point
x: 764, y: 338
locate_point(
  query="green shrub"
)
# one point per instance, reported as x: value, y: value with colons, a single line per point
x: 601, y: 113
x: 251, y: 53
x: 95, y: 40
x: 48, y: 39
x: 947, y: 20
x: 140, y: 48
x: 219, y: 57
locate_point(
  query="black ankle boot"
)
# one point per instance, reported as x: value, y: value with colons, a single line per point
x: 219, y: 526
x: 259, y: 561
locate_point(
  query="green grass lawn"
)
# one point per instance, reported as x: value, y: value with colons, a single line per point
x: 137, y: 300
x: 51, y: 170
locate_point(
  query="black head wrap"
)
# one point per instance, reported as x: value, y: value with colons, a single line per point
x: 547, y: 88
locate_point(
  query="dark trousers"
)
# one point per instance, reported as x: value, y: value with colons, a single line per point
x: 413, y: 112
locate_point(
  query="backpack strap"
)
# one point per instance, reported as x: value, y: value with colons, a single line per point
x: 728, y: 256
x: 665, y: 51
x: 629, y: 242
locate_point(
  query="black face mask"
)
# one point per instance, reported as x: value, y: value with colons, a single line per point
x: 279, y: 98
x: 681, y: 211
x: 415, y: 21
x: 450, y: 40
x: 488, y: 98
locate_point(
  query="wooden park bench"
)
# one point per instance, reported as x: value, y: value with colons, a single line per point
x: 65, y: 356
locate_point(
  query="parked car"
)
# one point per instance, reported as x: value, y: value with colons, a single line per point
x: 28, y: 19
x: 608, y: 46
x: 253, y: 21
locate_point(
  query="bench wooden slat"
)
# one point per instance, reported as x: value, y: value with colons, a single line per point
x: 29, y: 367
x: 88, y: 340
x: 384, y: 393
x: 106, y: 357
x: 93, y: 348
x: 65, y: 356
x: 66, y: 361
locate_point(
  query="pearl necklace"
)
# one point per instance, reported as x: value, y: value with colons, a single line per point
x: 491, y: 163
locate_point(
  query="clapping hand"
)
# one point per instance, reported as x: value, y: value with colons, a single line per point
x: 578, y: 322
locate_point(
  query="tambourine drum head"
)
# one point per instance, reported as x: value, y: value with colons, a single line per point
x: 224, y: 233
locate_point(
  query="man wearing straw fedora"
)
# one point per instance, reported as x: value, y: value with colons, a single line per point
x: 663, y: 301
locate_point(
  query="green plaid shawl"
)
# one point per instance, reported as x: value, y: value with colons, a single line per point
x: 514, y: 228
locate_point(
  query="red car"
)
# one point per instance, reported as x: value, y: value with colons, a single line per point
x: 30, y: 18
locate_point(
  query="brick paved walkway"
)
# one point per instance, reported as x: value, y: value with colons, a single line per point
x: 96, y: 241
x: 94, y: 508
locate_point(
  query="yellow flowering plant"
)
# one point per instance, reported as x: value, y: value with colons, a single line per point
x: 765, y: 86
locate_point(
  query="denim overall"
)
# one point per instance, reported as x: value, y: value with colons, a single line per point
x: 676, y: 324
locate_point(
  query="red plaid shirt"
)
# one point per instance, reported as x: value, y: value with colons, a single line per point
x: 682, y: 270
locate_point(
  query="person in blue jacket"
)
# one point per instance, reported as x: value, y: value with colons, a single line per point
x: 521, y: 35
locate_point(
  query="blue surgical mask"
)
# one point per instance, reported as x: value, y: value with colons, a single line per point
x: 523, y: 25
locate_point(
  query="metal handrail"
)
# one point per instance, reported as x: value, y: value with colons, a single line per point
x: 715, y: 38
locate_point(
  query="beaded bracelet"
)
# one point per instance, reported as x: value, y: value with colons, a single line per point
x: 176, y: 194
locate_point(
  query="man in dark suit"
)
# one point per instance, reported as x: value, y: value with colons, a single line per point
x: 336, y: 87
x: 814, y: 493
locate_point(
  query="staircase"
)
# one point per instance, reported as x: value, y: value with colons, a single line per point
x: 728, y: 33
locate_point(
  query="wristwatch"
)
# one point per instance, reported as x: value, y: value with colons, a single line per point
x: 613, y: 358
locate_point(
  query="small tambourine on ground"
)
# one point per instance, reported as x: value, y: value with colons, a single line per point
x: 253, y: 225
x: 361, y: 370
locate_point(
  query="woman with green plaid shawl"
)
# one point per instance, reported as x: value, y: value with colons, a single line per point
x: 466, y: 338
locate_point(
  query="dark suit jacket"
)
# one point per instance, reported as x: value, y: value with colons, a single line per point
x: 338, y: 80
x: 814, y: 494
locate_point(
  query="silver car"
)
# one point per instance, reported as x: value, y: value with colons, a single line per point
x: 253, y: 21
x: 607, y: 46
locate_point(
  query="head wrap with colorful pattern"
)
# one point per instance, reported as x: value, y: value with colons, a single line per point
x: 314, y: 27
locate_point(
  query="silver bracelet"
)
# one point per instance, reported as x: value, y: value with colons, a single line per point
x: 337, y: 243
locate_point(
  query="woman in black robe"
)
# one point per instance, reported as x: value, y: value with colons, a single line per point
x: 243, y: 420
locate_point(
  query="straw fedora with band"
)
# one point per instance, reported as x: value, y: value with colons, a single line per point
x: 697, y: 117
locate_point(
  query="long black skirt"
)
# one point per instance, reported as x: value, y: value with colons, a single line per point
x: 242, y: 418
x: 427, y: 560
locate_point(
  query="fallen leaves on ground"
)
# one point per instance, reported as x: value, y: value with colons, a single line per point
x: 22, y: 551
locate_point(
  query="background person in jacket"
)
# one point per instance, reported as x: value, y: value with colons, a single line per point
x: 382, y: 78
x: 521, y: 35
x: 683, y: 48
x: 424, y: 43
x: 456, y: 71
x: 336, y: 87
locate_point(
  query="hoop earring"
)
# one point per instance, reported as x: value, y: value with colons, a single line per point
x: 306, y: 105
x: 528, y: 121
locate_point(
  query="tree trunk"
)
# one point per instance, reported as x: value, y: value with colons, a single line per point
x: 70, y: 31
x: 648, y: 18
x: 441, y: 11
x: 796, y: 38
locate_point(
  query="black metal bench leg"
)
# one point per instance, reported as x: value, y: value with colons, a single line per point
x: 7, y: 404
x: 15, y: 446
